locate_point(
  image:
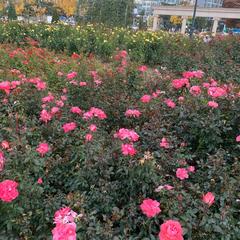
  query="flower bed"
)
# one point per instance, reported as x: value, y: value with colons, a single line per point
x: 219, y: 59
x: 93, y: 150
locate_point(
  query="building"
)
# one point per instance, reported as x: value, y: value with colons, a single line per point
x: 213, y: 3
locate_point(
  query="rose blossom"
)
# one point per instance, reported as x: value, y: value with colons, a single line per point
x: 5, y: 144
x: 132, y: 113
x: 150, y: 207
x: 8, y: 190
x: 128, y: 149
x: 143, y: 68
x: 195, y: 90
x: 164, y: 143
x: 170, y: 103
x: 146, y: 99
x: 125, y: 133
x: 76, y: 110
x: 238, y: 138
x: 93, y: 128
x: 191, y: 169
x: 213, y: 104
x: 71, y: 75
x: 64, y: 215
x: 208, y: 198
x: 88, y: 137
x: 42, y: 149
x: 182, y: 173
x: 171, y: 230
x: 40, y: 181
x: 65, y: 232
x: 2, y: 161
x: 67, y: 127
x: 45, y: 116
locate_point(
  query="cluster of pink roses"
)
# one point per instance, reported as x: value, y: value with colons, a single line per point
x: 169, y: 230
x: 65, y: 226
x: 132, y: 136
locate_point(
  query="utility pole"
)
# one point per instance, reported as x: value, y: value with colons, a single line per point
x: 194, y: 18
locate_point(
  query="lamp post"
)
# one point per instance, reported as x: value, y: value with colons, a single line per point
x: 194, y: 18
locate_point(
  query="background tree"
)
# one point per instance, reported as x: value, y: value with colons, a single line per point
x: 111, y: 12
x: 11, y: 11
x: 69, y: 6
x: 175, y: 20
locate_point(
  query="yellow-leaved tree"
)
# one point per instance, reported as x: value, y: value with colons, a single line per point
x: 19, y: 6
x: 69, y: 6
x: 176, y: 20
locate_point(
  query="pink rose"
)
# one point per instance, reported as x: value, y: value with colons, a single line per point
x: 213, y: 104
x: 71, y: 75
x: 54, y: 110
x: 88, y: 137
x: 8, y: 190
x: 45, y: 116
x: 195, y: 90
x: 2, y: 161
x: 125, y: 133
x: 171, y: 230
x: 42, y: 149
x: 64, y: 215
x: 142, y: 68
x: 81, y: 84
x: 76, y: 110
x: 5, y: 144
x: 67, y: 127
x: 180, y: 83
x: 238, y: 138
x: 182, y: 173
x: 128, y: 149
x: 191, y: 169
x: 40, y: 181
x: 132, y: 113
x: 150, y: 207
x: 164, y: 143
x: 65, y: 232
x: 93, y: 128
x: 208, y: 198
x: 146, y: 99
x: 170, y: 103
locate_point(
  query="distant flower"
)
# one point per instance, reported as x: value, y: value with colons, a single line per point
x: 8, y: 190
x: 71, y: 75
x: 171, y: 230
x: 5, y: 145
x: 54, y: 110
x: 93, y: 128
x: 48, y: 98
x: 60, y: 103
x: 45, y: 116
x: 195, y: 90
x: 132, y: 113
x: 208, y: 198
x: 128, y: 149
x: 63, y: 97
x: 170, y: 103
x: 40, y: 181
x: 164, y: 143
x: 213, y: 104
x: 88, y: 137
x: 150, y: 207
x: 94, y: 112
x: 191, y: 169
x: 216, y: 92
x: 238, y: 138
x: 182, y: 173
x: 146, y: 99
x: 181, y: 99
x: 5, y: 86
x: 76, y: 110
x: 143, y: 68
x: 124, y: 133
x: 82, y: 84
x: 180, y: 83
x: 67, y: 127
x: 41, y: 85
x: 166, y: 187
x: 193, y: 74
x: 42, y: 149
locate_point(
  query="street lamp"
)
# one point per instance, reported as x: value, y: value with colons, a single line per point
x: 194, y: 18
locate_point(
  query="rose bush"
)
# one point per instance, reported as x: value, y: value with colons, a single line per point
x: 85, y: 167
